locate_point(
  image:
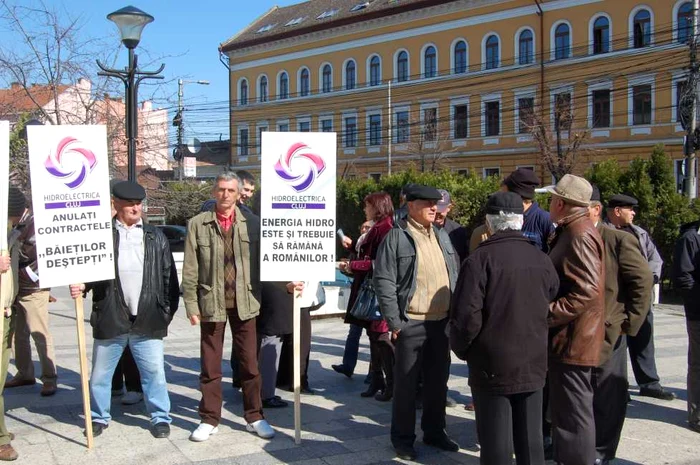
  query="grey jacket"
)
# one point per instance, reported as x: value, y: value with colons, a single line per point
x: 394, y: 275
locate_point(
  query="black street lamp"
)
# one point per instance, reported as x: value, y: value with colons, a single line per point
x: 131, y: 21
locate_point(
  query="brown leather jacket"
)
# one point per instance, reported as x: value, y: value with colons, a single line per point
x: 577, y: 317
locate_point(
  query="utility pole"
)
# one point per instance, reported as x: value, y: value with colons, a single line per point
x: 690, y: 158
x: 180, y: 124
x: 391, y: 124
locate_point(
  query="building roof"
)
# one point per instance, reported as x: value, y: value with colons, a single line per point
x: 315, y: 15
x: 18, y: 99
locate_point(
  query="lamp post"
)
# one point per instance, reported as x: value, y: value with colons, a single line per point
x: 178, y: 121
x: 131, y: 21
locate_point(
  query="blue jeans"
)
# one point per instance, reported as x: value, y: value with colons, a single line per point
x: 148, y: 354
x: 352, y: 347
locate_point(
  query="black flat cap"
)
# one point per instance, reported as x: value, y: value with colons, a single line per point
x: 417, y: 192
x: 621, y: 200
x: 127, y: 190
x: 523, y: 182
x: 506, y: 202
x: 595, y: 195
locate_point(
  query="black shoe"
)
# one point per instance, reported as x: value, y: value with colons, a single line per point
x: 373, y: 389
x: 405, y: 452
x: 236, y: 382
x: 368, y: 378
x: 160, y: 430
x: 305, y: 389
x: 385, y: 395
x: 274, y: 402
x: 694, y: 427
x: 441, y: 442
x: 342, y: 370
x: 657, y: 393
x: 97, y: 429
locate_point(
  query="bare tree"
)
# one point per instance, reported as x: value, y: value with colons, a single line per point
x: 431, y: 146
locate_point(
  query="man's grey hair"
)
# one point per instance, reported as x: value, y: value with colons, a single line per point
x: 504, y: 222
x: 227, y: 176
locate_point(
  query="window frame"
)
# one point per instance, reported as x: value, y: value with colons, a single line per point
x: 243, y: 99
x: 555, y: 52
x: 347, y: 85
x: 398, y: 66
x: 243, y: 149
x: 485, y: 47
x: 490, y: 98
x: 282, y: 90
x: 528, y: 93
x: 344, y: 124
x: 454, y: 103
x: 453, y: 60
x: 632, y: 23
x: 397, y: 127
x: 263, y: 92
x: 677, y: 22
x: 518, y: 45
x: 374, y: 71
x: 326, y: 78
x: 372, y: 139
x: 608, y: 45
x: 637, y: 81
x: 431, y: 60
x: 304, y: 90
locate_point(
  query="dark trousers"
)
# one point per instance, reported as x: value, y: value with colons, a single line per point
x: 641, y: 349
x: 507, y: 424
x: 693, y: 372
x: 382, y: 352
x: 127, y: 373
x: 421, y: 347
x: 571, y: 403
x: 610, y: 400
x: 352, y: 347
x: 245, y: 343
x: 285, y: 374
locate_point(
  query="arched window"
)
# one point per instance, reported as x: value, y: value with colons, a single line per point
x: 402, y: 66
x: 562, y: 42
x: 526, y: 49
x: 243, y: 94
x: 350, y: 75
x: 601, y: 35
x: 263, y: 89
x: 304, y: 84
x: 492, y: 53
x: 642, y: 29
x: 327, y: 78
x: 430, y: 62
x: 460, y: 64
x: 684, y: 21
x: 375, y: 71
x: 284, y: 86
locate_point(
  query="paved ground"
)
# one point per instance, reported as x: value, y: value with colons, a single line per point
x: 340, y: 427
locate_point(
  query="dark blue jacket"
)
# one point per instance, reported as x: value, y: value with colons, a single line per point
x: 537, y: 227
x: 686, y: 270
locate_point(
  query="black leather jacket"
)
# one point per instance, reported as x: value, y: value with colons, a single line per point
x: 159, y: 299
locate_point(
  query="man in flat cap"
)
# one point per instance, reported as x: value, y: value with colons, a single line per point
x: 133, y: 309
x: 620, y: 214
x: 414, y: 275
x: 576, y: 321
x: 537, y: 226
x: 498, y: 323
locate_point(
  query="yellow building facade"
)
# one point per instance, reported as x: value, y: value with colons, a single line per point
x: 461, y: 84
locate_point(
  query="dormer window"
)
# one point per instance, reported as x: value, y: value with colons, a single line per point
x: 266, y: 28
x: 295, y: 21
x: 359, y: 6
x: 327, y: 14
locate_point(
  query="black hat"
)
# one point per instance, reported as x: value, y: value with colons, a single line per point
x: 416, y: 192
x: 621, y: 200
x: 506, y: 202
x: 523, y: 182
x: 128, y: 190
x: 595, y: 195
x: 16, y: 202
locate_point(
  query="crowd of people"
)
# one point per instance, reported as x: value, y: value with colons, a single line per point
x: 543, y: 306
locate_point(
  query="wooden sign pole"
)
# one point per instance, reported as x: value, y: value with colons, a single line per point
x: 4, y: 200
x: 297, y: 366
x: 80, y: 321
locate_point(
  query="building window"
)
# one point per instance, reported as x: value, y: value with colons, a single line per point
x: 601, y: 108
x: 304, y: 83
x: 350, y: 75
x: 375, y: 71
x: 243, y: 94
x: 464, y: 172
x: 601, y: 35
x: 261, y: 129
x: 402, y: 66
x: 641, y: 104
x: 284, y: 86
x: 375, y: 129
x: 402, y: 127
x: 283, y: 127
x: 488, y: 172
x: 460, y: 64
x: 327, y: 125
x: 526, y: 49
x: 492, y: 53
x: 429, y: 124
x: 243, y: 142
x: 263, y: 89
x: 562, y: 42
x: 684, y: 21
x: 492, y: 117
x: 430, y: 62
x: 684, y: 104
x: 562, y: 112
x: 375, y: 176
x: 304, y: 126
x: 642, y: 29
x: 460, y: 121
x: 526, y: 114
x: 327, y: 79
x: 350, y: 131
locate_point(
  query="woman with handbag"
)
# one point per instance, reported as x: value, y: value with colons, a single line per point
x: 379, y: 208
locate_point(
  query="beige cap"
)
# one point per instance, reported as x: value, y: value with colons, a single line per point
x: 573, y: 189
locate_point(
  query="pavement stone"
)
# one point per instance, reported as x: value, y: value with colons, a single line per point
x: 339, y: 427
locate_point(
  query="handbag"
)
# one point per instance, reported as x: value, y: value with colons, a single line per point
x: 366, y: 306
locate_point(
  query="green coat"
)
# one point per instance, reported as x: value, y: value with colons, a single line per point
x: 203, y: 269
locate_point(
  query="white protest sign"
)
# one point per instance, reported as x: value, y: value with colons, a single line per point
x: 71, y: 204
x: 298, y: 175
x: 4, y: 175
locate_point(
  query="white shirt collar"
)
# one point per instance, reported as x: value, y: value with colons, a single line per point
x: 139, y: 224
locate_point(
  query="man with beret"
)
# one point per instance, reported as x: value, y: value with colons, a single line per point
x: 576, y: 321
x: 537, y: 226
x: 414, y: 275
x: 133, y: 309
x: 628, y: 288
x: 620, y: 214
x: 498, y: 323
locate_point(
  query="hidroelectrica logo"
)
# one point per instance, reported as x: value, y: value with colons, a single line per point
x: 304, y: 174
x: 70, y: 162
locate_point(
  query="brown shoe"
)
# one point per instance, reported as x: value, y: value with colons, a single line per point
x: 48, y: 389
x: 15, y: 382
x: 7, y: 453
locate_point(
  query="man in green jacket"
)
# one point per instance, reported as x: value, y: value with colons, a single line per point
x: 220, y: 282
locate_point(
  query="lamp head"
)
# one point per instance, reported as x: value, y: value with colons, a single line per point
x: 130, y: 21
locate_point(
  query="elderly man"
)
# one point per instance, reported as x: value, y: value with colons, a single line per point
x: 628, y: 288
x: 220, y: 282
x: 133, y: 309
x: 576, y: 321
x: 620, y: 214
x: 498, y: 323
x: 414, y: 274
